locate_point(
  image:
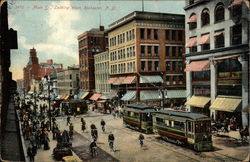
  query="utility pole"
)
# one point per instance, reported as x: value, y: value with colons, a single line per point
x: 48, y: 82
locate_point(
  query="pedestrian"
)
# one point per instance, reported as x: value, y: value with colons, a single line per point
x: 103, y: 125
x: 111, y: 140
x: 68, y: 120
x: 71, y: 130
x: 92, y: 148
x: 141, y: 138
x: 46, y: 142
x: 30, y: 153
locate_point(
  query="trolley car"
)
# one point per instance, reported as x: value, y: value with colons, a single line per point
x: 184, y: 128
x: 138, y: 117
x: 71, y: 107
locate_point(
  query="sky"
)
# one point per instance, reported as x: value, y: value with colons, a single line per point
x: 52, y: 27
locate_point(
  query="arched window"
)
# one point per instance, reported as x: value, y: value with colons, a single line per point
x: 219, y: 13
x: 205, y: 19
x: 192, y: 21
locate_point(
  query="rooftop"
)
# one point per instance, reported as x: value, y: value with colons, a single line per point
x: 151, y: 16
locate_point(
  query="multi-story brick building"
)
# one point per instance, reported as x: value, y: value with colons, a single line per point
x: 217, y: 54
x: 48, y: 67
x: 102, y: 72
x: 68, y: 82
x: 31, y: 71
x: 90, y: 43
x: 145, y: 51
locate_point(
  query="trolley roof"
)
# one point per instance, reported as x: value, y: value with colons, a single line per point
x: 139, y: 107
x: 187, y: 115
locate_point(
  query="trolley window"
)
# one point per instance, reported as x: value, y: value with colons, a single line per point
x: 178, y: 125
x: 146, y: 117
x: 160, y: 121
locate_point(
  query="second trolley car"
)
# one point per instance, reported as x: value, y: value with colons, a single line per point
x: 71, y: 107
x: 184, y: 128
x: 138, y: 117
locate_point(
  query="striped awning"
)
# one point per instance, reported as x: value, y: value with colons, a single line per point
x: 175, y: 94
x: 118, y: 81
x: 84, y: 95
x: 150, y: 95
x: 95, y: 96
x: 198, y: 101
x: 192, y: 19
x: 66, y: 97
x: 198, y: 66
x: 129, y: 96
x: 191, y: 42
x: 111, y: 80
x: 226, y: 57
x: 205, y: 39
x: 226, y: 104
x: 151, y: 79
x: 129, y: 80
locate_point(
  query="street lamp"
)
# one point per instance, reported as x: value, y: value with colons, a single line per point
x: 48, y: 82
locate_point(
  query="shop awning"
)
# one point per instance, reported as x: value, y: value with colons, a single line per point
x: 95, y: 96
x: 205, y: 39
x: 150, y: 95
x: 112, y: 94
x: 151, y: 79
x: 62, y: 97
x: 225, y: 104
x: 225, y: 57
x: 129, y: 80
x: 192, y: 19
x: 79, y: 95
x: 66, y: 97
x: 191, y: 42
x: 102, y: 101
x: 129, y: 96
x: 175, y: 94
x: 118, y: 81
x: 84, y: 95
x: 218, y: 33
x: 198, y: 66
x: 198, y: 101
x: 111, y: 80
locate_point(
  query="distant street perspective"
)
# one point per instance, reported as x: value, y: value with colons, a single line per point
x: 125, y: 81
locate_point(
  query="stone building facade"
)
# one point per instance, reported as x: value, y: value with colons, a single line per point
x: 217, y: 57
x: 102, y: 72
x: 90, y: 43
x: 146, y: 54
x: 68, y: 81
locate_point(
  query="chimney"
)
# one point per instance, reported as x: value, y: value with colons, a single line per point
x: 101, y: 28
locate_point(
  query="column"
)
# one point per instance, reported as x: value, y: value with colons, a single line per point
x: 188, y: 85
x: 213, y: 85
x: 244, y: 62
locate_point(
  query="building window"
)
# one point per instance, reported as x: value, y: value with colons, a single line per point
x: 156, y: 34
x: 142, y: 50
x: 236, y: 36
x: 173, y: 35
x: 192, y: 21
x: 149, y: 50
x: 168, y: 66
x: 133, y: 34
x: 156, y: 50
x: 180, y: 35
x: 174, y: 63
x: 173, y: 51
x: 236, y: 10
x: 167, y: 50
x: 205, y: 46
x: 168, y: 80
x: 149, y: 65
x: 219, y: 13
x: 70, y: 76
x: 205, y: 19
x: 142, y: 31
x: 166, y: 34
x: 180, y: 51
x: 143, y: 66
x: 219, y: 39
x: 193, y: 49
x: 157, y: 68
x: 148, y: 33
